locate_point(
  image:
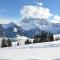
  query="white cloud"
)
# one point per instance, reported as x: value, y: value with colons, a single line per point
x: 35, y: 12
x: 6, y: 21
x: 39, y: 12
x: 56, y: 19
x: 40, y: 4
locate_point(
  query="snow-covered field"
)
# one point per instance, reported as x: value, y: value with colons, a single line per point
x: 43, y: 51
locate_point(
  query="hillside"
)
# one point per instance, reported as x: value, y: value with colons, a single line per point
x: 21, y: 53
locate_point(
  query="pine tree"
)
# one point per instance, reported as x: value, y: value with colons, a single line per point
x: 35, y: 41
x: 27, y: 41
x: 43, y: 37
x: 36, y: 38
x: 3, y: 44
x: 30, y: 42
x: 51, y: 37
x: 9, y: 43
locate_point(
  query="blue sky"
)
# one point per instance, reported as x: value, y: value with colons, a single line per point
x: 10, y: 9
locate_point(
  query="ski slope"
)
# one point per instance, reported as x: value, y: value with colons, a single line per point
x: 35, y: 53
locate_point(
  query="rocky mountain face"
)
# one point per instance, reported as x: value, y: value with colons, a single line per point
x: 28, y: 27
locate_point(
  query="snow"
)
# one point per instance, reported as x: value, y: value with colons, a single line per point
x: 30, y: 54
x: 18, y: 53
x: 56, y: 36
x: 22, y: 39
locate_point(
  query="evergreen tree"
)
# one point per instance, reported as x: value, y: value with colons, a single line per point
x: 36, y: 37
x: 30, y: 42
x: 51, y: 37
x: 27, y: 41
x: 35, y: 41
x: 43, y: 37
x: 3, y: 44
x: 9, y: 43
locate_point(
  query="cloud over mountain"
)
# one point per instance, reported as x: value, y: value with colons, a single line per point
x: 38, y: 12
x: 7, y: 20
x: 56, y: 19
x: 30, y: 11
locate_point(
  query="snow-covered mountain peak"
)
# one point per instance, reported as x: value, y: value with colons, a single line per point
x: 35, y: 20
x: 32, y: 23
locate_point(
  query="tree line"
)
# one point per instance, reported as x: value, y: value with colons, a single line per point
x: 6, y: 43
x: 41, y: 37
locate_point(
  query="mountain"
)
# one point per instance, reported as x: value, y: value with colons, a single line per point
x: 1, y: 31
x: 11, y: 30
x: 29, y: 27
x: 8, y: 30
x: 25, y: 29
